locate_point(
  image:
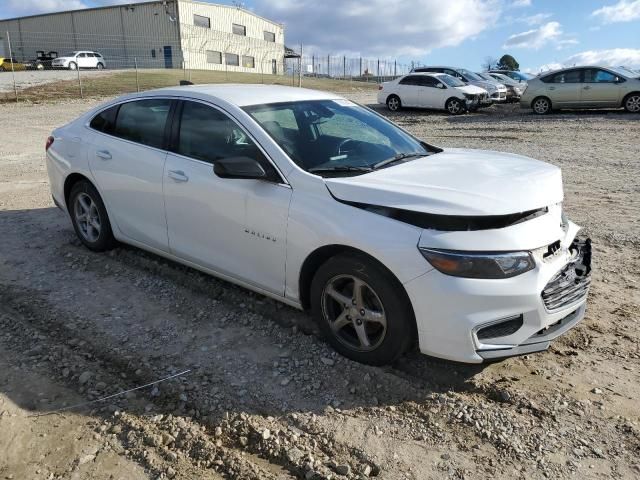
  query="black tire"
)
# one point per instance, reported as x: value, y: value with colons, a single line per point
x: 73, y: 65
x: 381, y: 292
x: 455, y: 106
x: 104, y: 240
x: 541, y: 106
x: 394, y: 103
x: 39, y: 66
x: 100, y: 66
x: 631, y: 102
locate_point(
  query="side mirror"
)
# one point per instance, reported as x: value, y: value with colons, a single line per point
x: 239, y: 167
x: 440, y: 85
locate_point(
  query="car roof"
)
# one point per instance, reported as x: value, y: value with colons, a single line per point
x: 428, y: 74
x: 243, y: 95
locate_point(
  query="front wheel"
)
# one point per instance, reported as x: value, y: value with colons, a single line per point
x: 541, y: 106
x: 89, y: 217
x: 393, y: 103
x: 632, y: 103
x: 454, y: 106
x: 73, y: 66
x: 361, y: 310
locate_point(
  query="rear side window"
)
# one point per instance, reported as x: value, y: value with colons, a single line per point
x: 410, y: 80
x: 143, y: 121
x: 105, y: 120
x: 572, y: 76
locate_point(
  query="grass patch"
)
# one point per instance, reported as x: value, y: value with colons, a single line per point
x: 113, y: 84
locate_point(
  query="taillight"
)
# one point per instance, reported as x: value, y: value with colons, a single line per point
x: 380, y: 87
x: 48, y: 144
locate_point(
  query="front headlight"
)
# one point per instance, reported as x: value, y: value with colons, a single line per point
x: 469, y: 96
x: 479, y: 264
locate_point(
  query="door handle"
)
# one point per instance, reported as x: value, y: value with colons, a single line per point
x: 103, y: 154
x: 178, y: 176
x: 552, y: 88
x: 587, y: 87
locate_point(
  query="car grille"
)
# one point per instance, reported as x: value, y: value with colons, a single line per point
x: 571, y: 284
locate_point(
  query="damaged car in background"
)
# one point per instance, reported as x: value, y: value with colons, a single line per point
x: 327, y: 206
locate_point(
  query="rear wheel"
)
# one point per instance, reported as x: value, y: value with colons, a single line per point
x: 454, y: 106
x: 39, y: 66
x: 632, y: 103
x: 393, y: 103
x: 89, y: 217
x: 541, y: 105
x: 100, y: 66
x: 361, y: 310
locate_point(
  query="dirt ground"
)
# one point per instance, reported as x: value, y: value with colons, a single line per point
x: 264, y: 398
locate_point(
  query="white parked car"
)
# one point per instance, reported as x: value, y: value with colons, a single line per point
x: 325, y: 205
x: 80, y: 59
x: 431, y: 90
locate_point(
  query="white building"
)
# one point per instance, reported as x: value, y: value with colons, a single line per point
x: 159, y: 34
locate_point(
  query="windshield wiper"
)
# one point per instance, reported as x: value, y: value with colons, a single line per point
x: 397, y: 158
x: 341, y: 169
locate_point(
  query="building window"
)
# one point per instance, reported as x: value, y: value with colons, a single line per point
x: 269, y: 36
x: 248, y: 62
x: 231, y: 59
x: 239, y: 29
x: 200, y: 21
x: 214, y: 57
x: 153, y: 53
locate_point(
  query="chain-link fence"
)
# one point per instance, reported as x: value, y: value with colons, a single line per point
x: 39, y: 66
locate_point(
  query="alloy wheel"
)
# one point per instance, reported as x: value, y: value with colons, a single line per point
x: 633, y: 103
x: 87, y: 217
x: 541, y: 106
x: 354, y: 313
x: 454, y: 107
x: 393, y: 103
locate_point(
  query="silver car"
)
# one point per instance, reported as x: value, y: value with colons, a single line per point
x: 583, y: 87
x: 496, y: 94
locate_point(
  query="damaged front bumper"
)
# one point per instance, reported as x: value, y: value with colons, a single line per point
x: 475, y: 320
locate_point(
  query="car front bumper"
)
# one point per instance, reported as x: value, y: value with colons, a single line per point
x: 476, y: 320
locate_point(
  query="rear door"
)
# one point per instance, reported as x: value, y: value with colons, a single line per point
x: 127, y: 159
x: 601, y: 88
x: 563, y: 88
x: 235, y: 227
x: 409, y: 91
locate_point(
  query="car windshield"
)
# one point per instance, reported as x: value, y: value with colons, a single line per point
x: 487, y: 77
x: 625, y: 72
x: 469, y: 75
x: 336, y: 137
x: 451, y: 81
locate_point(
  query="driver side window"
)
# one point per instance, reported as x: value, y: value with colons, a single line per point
x: 207, y: 134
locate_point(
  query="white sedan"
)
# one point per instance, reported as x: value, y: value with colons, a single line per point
x: 325, y: 205
x: 431, y: 90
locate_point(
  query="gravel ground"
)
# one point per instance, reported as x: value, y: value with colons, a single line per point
x: 32, y: 78
x: 264, y: 398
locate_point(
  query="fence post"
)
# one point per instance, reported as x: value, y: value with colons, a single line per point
x: 360, y: 74
x: 395, y: 68
x: 135, y: 62
x: 328, y: 67
x: 378, y: 71
x: 344, y: 67
x: 300, y: 67
x: 13, y: 73
x: 313, y: 63
x: 79, y: 81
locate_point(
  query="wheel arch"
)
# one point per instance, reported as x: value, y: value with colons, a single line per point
x: 393, y: 95
x: 624, y: 99
x: 319, y: 256
x: 70, y: 181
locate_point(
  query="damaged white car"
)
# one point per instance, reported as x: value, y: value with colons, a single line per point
x: 325, y: 205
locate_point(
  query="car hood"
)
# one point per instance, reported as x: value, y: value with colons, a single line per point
x: 459, y: 182
x: 488, y: 86
x: 471, y: 89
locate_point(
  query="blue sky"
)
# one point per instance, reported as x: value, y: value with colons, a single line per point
x: 538, y: 33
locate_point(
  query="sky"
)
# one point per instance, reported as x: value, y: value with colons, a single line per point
x: 540, y: 34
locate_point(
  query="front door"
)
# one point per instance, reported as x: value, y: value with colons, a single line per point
x: 235, y: 227
x: 430, y: 95
x: 128, y: 165
x: 168, y: 56
x: 600, y: 88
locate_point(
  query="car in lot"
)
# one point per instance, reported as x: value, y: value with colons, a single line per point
x: 10, y: 64
x: 496, y: 94
x: 326, y: 205
x: 80, y: 59
x: 431, y: 90
x: 583, y: 87
x: 42, y: 61
x: 511, y: 94
x: 515, y: 88
x: 514, y: 75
